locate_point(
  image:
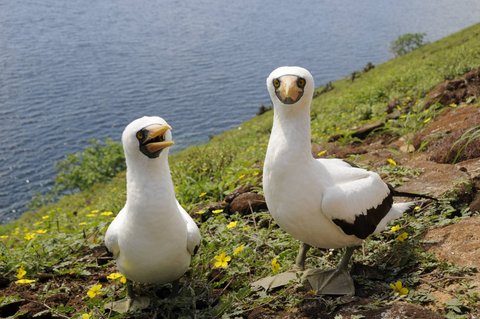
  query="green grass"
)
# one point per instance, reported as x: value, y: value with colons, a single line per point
x: 59, y: 238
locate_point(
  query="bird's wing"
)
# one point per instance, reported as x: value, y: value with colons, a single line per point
x: 111, y: 236
x: 193, y: 233
x: 356, y: 199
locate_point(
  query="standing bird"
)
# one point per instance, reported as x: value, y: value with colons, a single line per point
x: 152, y: 238
x: 325, y: 203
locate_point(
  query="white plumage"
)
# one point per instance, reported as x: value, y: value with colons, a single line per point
x: 153, y: 237
x: 325, y: 203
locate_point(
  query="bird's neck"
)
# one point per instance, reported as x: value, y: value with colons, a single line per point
x: 290, y: 138
x: 150, y: 187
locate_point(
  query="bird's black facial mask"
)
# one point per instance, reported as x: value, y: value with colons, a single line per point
x: 289, y: 88
x: 152, y: 141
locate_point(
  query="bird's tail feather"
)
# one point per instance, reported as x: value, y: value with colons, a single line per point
x: 397, y: 193
x: 395, y: 212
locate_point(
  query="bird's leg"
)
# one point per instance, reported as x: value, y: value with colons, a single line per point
x: 302, y: 254
x: 194, y: 302
x: 124, y: 305
x: 285, y: 278
x: 175, y: 287
x: 343, y: 264
x: 130, y: 290
x: 336, y: 281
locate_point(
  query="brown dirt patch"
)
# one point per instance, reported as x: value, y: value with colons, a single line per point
x: 459, y: 244
x: 440, y: 137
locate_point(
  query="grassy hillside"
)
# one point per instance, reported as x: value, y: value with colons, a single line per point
x: 59, y: 245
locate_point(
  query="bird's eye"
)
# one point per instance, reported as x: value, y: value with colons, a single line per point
x: 301, y: 83
x: 139, y: 135
x: 276, y: 83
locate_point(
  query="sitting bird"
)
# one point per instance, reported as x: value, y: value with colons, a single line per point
x: 325, y: 203
x: 152, y: 238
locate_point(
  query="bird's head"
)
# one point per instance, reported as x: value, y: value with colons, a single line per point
x: 147, y: 136
x: 290, y: 86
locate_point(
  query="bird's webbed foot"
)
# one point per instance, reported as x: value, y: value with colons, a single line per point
x: 330, y: 282
x: 131, y: 303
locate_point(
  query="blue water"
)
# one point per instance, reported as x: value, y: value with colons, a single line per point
x: 75, y: 70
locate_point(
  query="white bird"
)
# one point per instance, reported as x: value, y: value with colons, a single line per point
x: 152, y: 238
x: 325, y: 203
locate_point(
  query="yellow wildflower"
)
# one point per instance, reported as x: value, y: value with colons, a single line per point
x: 201, y: 212
x: 21, y: 272
x: 82, y: 223
x: 241, y: 176
x: 275, y: 265
x: 94, y: 291
x: 453, y: 105
x: 29, y: 236
x: 238, y: 250
x: 24, y: 281
x: 391, y: 161
x: 417, y: 208
x: 85, y: 316
x: 91, y: 215
x: 202, y: 194
x: 45, y: 217
x: 95, y: 211
x: 232, y: 225
x: 4, y: 237
x: 117, y: 276
x: 106, y: 214
x: 402, y: 236
x: 395, y: 228
x: 427, y: 120
x: 399, y: 289
x: 41, y: 231
x: 319, y: 154
x: 217, y: 211
x: 221, y: 261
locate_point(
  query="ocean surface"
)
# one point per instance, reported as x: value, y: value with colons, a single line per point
x: 71, y: 71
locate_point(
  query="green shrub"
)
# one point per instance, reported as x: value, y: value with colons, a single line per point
x: 407, y: 43
x: 98, y: 162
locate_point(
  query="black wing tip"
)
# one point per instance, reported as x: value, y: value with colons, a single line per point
x: 365, y: 224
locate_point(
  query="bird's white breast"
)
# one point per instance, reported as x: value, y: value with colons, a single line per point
x: 294, y: 198
x: 153, y: 250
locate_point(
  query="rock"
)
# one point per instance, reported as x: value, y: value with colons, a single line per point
x: 475, y: 204
x: 242, y: 189
x: 436, y: 179
x: 472, y: 168
x: 369, y: 66
x: 247, y: 202
x: 361, y: 132
x: 404, y: 145
x: 263, y: 109
x: 455, y: 91
x: 458, y: 243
